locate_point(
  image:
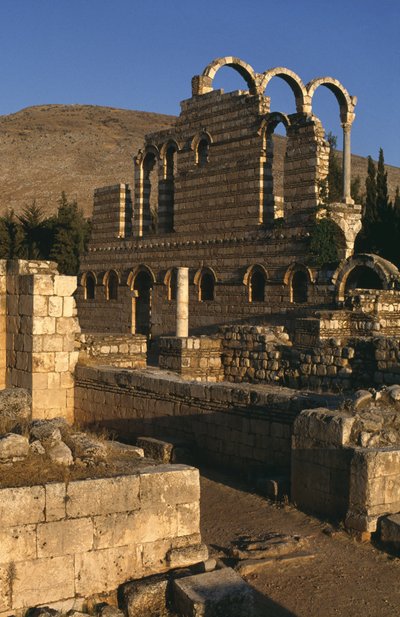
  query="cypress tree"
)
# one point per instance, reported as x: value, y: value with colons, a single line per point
x: 71, y: 234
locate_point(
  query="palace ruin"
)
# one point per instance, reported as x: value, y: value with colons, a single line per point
x: 198, y: 297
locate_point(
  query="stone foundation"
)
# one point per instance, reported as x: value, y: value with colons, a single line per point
x: 124, y: 350
x: 193, y: 357
x: 61, y: 543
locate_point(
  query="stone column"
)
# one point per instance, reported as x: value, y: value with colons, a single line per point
x: 182, y: 303
x: 347, y: 163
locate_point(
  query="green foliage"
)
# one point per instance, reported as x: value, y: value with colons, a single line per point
x: 31, y: 235
x: 71, y: 235
x: 380, y: 232
x: 335, y: 176
x: 325, y: 241
x: 10, y: 236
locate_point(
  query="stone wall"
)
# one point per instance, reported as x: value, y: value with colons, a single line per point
x: 241, y: 428
x: 3, y: 325
x: 193, y: 357
x: 126, y: 351
x: 64, y: 542
x: 41, y: 327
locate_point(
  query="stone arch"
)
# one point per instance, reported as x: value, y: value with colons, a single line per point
x: 255, y: 279
x: 149, y: 187
x: 170, y: 281
x: 204, y: 82
x: 111, y: 282
x: 298, y: 277
x: 205, y: 280
x: 141, y: 281
x: 272, y: 165
x: 292, y: 79
x: 89, y: 282
x: 384, y: 271
x: 201, y: 157
x: 345, y: 101
x: 166, y: 186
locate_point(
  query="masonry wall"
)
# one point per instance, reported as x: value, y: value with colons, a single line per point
x: 41, y: 327
x: 3, y: 325
x: 239, y: 427
x: 64, y: 542
x: 126, y: 351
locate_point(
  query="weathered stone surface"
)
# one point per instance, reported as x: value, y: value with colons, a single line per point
x: 251, y: 566
x: 86, y: 447
x: 390, y: 531
x: 21, y: 506
x: 15, y: 407
x: 187, y: 556
x: 213, y: 594
x: 41, y: 581
x: 45, y: 431
x: 13, y: 447
x: 173, y: 484
x: 104, y: 570
x: 146, y: 597
x: 64, y: 537
x: 156, y: 449
x: 17, y: 543
x: 105, y: 610
x: 36, y: 447
x: 59, y: 453
x: 105, y: 496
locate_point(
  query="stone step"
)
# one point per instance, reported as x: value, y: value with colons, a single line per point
x: 222, y: 592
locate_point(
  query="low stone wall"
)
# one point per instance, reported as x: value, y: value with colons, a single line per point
x: 263, y: 354
x: 242, y: 428
x: 61, y: 543
x: 193, y: 357
x: 334, y: 478
x: 124, y: 350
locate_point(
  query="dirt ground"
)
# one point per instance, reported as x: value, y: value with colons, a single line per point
x: 345, y: 578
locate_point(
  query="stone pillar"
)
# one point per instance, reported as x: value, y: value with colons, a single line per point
x: 182, y: 303
x: 347, y: 163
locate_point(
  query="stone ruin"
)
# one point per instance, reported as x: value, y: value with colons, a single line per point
x: 206, y: 334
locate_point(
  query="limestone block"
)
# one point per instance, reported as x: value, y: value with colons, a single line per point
x: 44, y: 325
x: 64, y: 537
x: 172, y: 484
x: 54, y: 342
x: 21, y: 506
x: 17, y: 543
x: 105, y: 496
x: 188, y: 518
x: 64, y: 285
x: 61, y: 361
x: 118, y: 529
x: 69, y: 308
x: 187, y: 556
x: 55, y: 501
x: 59, y: 453
x: 55, y: 306
x: 156, y: 449
x: 42, y: 284
x: 41, y: 581
x: 323, y: 425
x: 13, y: 447
x: 43, y: 362
x: 66, y: 325
x: 222, y: 592
x: 104, y: 570
x: 5, y: 591
x: 154, y: 556
x: 145, y: 597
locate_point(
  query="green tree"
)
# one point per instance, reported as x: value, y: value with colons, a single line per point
x: 36, y: 235
x: 10, y: 236
x: 335, y: 175
x: 325, y: 241
x: 71, y: 236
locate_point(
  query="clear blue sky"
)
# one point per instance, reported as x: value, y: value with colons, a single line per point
x: 143, y: 54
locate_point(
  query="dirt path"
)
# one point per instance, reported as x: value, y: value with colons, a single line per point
x: 345, y: 578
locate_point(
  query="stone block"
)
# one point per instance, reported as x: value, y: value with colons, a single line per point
x: 21, y: 506
x: 43, y: 285
x: 13, y: 447
x: 145, y: 597
x: 188, y: 518
x: 55, y: 306
x: 64, y: 537
x: 17, y: 543
x: 156, y: 449
x: 187, y: 556
x: 41, y: 581
x: 5, y: 591
x: 55, y: 501
x: 172, y: 484
x: 213, y: 594
x: 105, y: 496
x: 104, y: 570
x: 65, y: 285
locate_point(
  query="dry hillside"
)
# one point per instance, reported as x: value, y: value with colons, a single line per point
x: 75, y: 148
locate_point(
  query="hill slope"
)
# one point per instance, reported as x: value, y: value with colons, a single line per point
x: 75, y: 148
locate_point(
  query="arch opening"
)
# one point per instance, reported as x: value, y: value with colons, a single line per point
x: 166, y: 191
x: 299, y: 287
x: 143, y: 285
x: 273, y: 168
x: 90, y: 287
x: 150, y: 193
x: 203, y: 152
x: 112, y: 283
x: 172, y: 284
x: 257, y: 286
x: 362, y: 277
x: 206, y: 287
x: 238, y: 65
